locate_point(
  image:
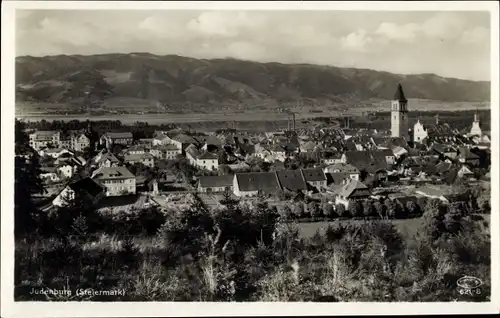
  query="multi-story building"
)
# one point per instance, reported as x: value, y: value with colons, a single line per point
x: 44, y: 138
x: 146, y: 159
x: 117, y: 138
x: 206, y: 160
x: 80, y: 142
x: 117, y: 181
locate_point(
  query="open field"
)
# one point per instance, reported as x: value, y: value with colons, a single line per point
x: 407, y: 227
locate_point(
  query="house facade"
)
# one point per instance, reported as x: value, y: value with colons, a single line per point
x: 117, y: 181
x: 44, y: 138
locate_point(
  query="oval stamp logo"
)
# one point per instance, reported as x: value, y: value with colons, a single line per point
x: 469, y: 285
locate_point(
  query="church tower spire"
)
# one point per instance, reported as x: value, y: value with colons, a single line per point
x: 399, y: 114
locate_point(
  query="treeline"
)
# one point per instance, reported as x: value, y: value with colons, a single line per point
x: 139, y: 129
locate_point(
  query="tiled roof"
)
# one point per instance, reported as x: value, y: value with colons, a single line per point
x: 342, y: 167
x: 119, y: 135
x: 208, y: 156
x: 216, y: 181
x: 354, y: 188
x: 291, y: 180
x: 88, y: 186
x: 313, y: 174
x: 112, y: 173
x: 258, y: 181
x: 138, y: 157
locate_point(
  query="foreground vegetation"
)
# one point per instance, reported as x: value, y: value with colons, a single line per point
x: 250, y: 254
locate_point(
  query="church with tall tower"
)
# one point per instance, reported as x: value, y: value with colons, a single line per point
x: 399, y: 114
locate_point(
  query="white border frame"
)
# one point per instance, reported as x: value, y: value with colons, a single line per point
x: 53, y: 309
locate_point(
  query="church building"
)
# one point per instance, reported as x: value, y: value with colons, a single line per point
x: 476, y: 129
x: 399, y: 114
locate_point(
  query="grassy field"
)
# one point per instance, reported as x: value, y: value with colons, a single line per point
x: 408, y: 227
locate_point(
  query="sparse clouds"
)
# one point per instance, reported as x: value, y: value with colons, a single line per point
x: 452, y: 39
x: 392, y: 31
x: 476, y: 35
x: 356, y: 41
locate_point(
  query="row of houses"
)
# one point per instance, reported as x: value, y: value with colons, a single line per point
x: 252, y: 183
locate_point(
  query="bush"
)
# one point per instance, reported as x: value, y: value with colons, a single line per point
x: 340, y: 210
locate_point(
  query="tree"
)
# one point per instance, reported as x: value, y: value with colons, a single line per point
x: 390, y: 208
x: 298, y: 209
x: 355, y: 208
x: 26, y: 183
x: 313, y: 209
x: 453, y: 217
x: 328, y: 209
x: 286, y: 212
x: 340, y: 210
x: 368, y: 209
x: 380, y: 209
x: 412, y: 208
x: 433, y: 219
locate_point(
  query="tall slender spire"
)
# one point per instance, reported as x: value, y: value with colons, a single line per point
x: 399, y: 95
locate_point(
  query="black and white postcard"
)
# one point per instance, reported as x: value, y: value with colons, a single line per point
x: 254, y: 158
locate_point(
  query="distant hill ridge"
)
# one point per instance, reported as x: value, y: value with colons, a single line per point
x: 173, y: 79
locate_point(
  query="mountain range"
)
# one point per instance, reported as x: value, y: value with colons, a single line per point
x: 175, y: 79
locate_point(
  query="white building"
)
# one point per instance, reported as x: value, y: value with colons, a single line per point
x: 207, y: 160
x: 399, y: 114
x: 80, y: 142
x: 419, y: 132
x: 44, y: 138
x: 476, y: 129
x: 116, y: 180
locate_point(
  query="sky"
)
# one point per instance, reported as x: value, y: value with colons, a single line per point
x: 450, y: 44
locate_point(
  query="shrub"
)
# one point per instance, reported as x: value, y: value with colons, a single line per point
x: 328, y: 210
x: 340, y: 210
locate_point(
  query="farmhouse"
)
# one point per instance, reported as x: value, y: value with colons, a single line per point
x: 291, y: 180
x: 352, y: 190
x: 212, y: 184
x: 250, y: 184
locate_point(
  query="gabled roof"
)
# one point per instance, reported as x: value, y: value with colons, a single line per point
x: 112, y: 173
x: 183, y: 138
x: 258, y: 181
x: 354, y: 188
x: 465, y: 153
x: 138, y: 157
x: 342, y: 167
x: 313, y: 174
x: 119, y: 135
x: 208, y: 156
x: 216, y: 181
x: 87, y: 185
x: 291, y: 180
x: 399, y: 95
x: 336, y: 178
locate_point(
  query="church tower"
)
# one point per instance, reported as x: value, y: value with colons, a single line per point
x: 399, y: 114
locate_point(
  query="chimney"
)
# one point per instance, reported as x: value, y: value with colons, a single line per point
x: 476, y: 117
x: 437, y: 119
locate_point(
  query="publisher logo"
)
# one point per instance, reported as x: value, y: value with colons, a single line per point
x: 469, y: 285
